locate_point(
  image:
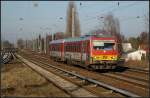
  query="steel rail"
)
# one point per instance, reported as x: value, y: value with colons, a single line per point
x: 139, y: 70
x: 138, y: 79
x: 131, y: 77
x: 121, y: 91
x: 44, y: 72
x: 130, y: 69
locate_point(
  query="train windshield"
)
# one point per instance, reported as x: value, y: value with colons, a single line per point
x: 100, y: 45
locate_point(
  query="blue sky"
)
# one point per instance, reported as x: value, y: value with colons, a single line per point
x: 47, y: 14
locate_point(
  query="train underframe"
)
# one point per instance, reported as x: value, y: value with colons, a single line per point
x: 93, y: 66
x: 104, y: 64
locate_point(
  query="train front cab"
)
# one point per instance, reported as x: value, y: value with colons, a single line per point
x: 104, y: 54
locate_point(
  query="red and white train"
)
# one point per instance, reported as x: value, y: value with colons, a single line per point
x: 91, y: 52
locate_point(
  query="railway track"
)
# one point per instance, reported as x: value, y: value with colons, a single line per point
x: 129, y: 73
x: 135, y: 86
x: 69, y: 88
x: 84, y: 80
x: 126, y: 75
x: 139, y: 70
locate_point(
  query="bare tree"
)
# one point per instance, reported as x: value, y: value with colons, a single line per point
x: 7, y: 44
x: 72, y: 15
x: 112, y: 26
x: 144, y: 38
x: 147, y: 22
x: 20, y: 43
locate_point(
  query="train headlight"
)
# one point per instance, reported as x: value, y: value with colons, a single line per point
x: 114, y: 57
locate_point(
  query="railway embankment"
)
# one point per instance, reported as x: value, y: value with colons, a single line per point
x: 21, y: 81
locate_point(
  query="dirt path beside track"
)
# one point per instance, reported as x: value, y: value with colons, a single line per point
x: 19, y: 80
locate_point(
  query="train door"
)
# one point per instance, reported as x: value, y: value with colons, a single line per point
x: 82, y: 52
x: 85, y: 52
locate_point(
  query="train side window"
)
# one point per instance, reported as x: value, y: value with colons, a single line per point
x: 76, y: 48
x: 73, y: 48
x: 64, y: 48
x: 68, y: 47
x: 79, y: 47
x: 55, y: 47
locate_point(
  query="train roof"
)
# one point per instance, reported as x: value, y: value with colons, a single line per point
x: 85, y: 37
x: 57, y: 41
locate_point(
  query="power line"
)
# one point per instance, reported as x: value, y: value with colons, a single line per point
x: 114, y: 9
x: 132, y: 18
x: 127, y: 6
x: 105, y: 9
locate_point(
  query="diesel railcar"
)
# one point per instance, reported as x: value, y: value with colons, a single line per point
x: 91, y: 52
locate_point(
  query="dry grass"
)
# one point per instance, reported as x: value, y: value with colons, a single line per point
x: 19, y: 80
x: 139, y: 64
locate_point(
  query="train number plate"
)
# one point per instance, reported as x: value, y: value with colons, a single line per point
x: 104, y: 57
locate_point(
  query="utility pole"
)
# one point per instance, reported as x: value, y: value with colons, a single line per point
x: 73, y: 25
x: 73, y: 22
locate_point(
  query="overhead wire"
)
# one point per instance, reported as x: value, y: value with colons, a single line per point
x: 114, y: 9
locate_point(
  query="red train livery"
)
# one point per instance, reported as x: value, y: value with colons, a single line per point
x: 91, y: 52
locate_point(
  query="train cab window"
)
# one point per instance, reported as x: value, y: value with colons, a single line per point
x: 98, y: 45
x: 109, y: 46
